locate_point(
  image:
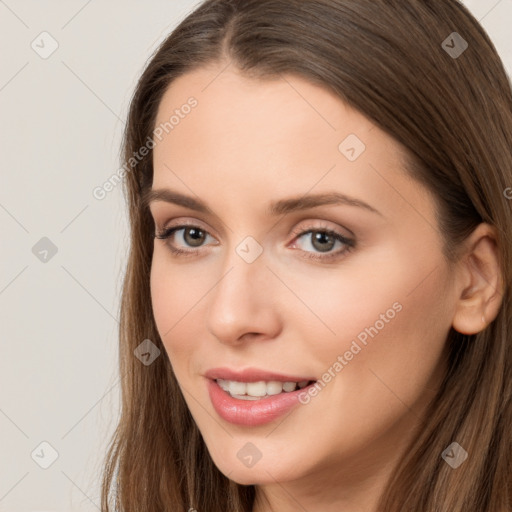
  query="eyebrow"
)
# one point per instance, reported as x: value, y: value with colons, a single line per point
x: 280, y: 207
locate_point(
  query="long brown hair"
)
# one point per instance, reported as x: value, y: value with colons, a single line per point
x: 453, y: 113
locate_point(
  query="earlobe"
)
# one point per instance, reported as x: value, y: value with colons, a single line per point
x: 480, y: 285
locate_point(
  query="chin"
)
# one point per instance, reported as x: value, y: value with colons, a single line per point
x: 260, y: 473
x: 251, y: 476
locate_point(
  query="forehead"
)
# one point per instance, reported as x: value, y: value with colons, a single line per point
x: 287, y: 117
x: 263, y: 109
x: 285, y: 135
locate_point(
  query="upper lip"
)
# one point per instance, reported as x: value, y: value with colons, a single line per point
x: 253, y: 375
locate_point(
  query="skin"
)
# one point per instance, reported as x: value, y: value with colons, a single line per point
x: 249, y: 142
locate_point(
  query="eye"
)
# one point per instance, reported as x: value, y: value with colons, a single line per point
x: 319, y: 238
x: 323, y: 240
x: 191, y: 236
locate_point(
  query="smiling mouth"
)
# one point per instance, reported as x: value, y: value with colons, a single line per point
x: 261, y: 389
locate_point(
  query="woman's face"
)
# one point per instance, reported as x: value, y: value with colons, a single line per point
x: 313, y: 257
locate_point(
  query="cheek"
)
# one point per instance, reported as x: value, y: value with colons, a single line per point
x: 172, y: 302
x: 387, y: 321
x: 392, y: 338
x: 394, y: 298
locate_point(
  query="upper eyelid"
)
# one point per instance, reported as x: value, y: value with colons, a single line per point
x: 199, y: 224
x: 296, y: 232
x: 160, y: 209
x: 176, y: 221
x: 181, y: 224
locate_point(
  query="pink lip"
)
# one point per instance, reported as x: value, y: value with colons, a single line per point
x: 251, y: 412
x: 253, y: 375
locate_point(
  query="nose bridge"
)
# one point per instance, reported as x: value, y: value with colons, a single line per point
x: 244, y: 270
x: 237, y: 293
x: 240, y: 302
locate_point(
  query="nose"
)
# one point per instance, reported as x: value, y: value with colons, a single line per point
x: 242, y: 306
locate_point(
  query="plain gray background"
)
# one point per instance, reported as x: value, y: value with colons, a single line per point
x: 62, y: 117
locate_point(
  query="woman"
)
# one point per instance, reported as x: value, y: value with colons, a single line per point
x: 317, y: 306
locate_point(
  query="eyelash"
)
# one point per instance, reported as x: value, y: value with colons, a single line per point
x: 349, y: 243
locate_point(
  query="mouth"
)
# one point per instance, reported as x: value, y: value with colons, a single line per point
x: 260, y: 390
x: 253, y: 397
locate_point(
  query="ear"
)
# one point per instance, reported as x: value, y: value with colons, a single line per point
x: 480, y: 286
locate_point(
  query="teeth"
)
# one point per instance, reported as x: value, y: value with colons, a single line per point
x: 237, y: 388
x: 224, y: 384
x: 289, y: 386
x: 256, y: 390
x: 274, y: 387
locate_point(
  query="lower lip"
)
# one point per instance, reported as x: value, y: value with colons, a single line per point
x: 252, y: 412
